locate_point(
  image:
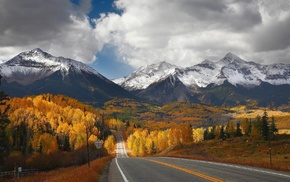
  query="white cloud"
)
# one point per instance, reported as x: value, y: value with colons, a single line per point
x: 185, y: 32
x: 58, y: 27
x: 182, y: 32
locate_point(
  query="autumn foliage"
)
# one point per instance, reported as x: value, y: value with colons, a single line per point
x: 48, y: 127
x: 144, y: 142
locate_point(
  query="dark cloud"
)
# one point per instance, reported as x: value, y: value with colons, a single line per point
x: 23, y: 22
x: 274, y: 36
x: 56, y: 26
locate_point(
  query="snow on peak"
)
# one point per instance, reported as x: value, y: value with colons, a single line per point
x: 47, y: 60
x: 146, y: 75
x: 37, y: 63
x: 231, y: 68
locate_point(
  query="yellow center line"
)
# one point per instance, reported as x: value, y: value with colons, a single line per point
x: 187, y: 171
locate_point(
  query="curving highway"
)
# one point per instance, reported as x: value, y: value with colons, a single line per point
x: 166, y: 169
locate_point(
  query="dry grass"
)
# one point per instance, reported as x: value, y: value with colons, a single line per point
x: 72, y: 174
x: 242, y: 151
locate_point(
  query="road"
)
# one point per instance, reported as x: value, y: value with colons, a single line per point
x: 124, y: 168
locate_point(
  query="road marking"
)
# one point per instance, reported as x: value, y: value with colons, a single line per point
x: 123, y: 175
x: 235, y: 166
x: 187, y: 171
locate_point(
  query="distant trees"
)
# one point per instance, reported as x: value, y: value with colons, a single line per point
x: 260, y: 127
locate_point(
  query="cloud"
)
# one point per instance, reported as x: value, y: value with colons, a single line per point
x: 58, y: 27
x: 185, y: 32
x: 182, y: 32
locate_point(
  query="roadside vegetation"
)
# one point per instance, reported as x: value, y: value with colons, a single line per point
x: 241, y: 150
x: 72, y: 174
x: 49, y: 132
x: 244, y: 140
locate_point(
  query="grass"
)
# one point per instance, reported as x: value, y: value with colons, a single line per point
x: 244, y: 151
x: 72, y: 174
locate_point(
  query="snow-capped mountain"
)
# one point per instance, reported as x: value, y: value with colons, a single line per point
x: 36, y: 72
x: 231, y: 68
x: 229, y: 80
x: 236, y: 71
x: 146, y: 75
x: 36, y: 65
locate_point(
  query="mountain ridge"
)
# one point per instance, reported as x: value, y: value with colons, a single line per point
x: 231, y: 68
x: 229, y: 81
x: 36, y: 72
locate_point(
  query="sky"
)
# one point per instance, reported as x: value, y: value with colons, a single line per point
x: 117, y: 37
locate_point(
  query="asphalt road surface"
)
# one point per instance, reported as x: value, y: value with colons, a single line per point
x: 165, y: 169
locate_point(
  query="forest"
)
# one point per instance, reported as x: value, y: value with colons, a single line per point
x: 41, y: 129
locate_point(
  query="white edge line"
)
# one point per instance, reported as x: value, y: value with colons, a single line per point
x: 124, y: 149
x: 123, y: 175
x: 235, y: 166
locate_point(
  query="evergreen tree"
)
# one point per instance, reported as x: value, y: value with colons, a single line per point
x: 153, y: 148
x: 238, y: 132
x: 4, y: 122
x: 66, y: 146
x: 273, y: 128
x: 211, y: 134
x: 222, y: 134
x: 249, y: 128
x: 205, y: 134
x: 264, y: 126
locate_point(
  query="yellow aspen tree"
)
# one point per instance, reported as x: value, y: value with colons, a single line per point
x: 110, y: 144
x: 198, y: 135
x: 149, y: 146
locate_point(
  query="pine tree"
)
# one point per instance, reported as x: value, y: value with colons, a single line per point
x: 249, y: 128
x: 264, y: 126
x: 205, y: 134
x: 238, y: 132
x: 211, y: 133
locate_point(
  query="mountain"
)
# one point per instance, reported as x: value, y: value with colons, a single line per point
x: 230, y: 80
x: 36, y: 72
x: 145, y: 76
x: 166, y: 90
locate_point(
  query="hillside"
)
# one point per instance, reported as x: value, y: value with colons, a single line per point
x: 144, y: 113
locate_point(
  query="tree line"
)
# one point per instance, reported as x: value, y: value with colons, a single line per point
x: 259, y: 127
x: 143, y: 141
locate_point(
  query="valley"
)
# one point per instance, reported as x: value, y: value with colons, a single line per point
x: 57, y: 108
